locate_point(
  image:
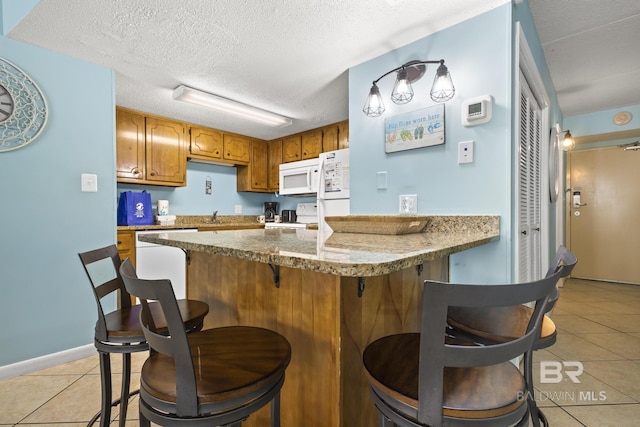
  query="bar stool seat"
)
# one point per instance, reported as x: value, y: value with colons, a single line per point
x: 215, y: 377
x: 119, y: 331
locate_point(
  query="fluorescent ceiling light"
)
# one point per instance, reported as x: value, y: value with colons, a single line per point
x: 195, y: 96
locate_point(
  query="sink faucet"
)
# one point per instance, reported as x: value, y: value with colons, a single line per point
x: 214, y: 217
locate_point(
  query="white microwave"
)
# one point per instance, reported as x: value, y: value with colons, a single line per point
x: 300, y: 178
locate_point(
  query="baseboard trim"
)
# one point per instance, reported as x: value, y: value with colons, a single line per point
x: 46, y: 361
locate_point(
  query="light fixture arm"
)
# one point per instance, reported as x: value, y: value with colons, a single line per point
x: 408, y: 64
x: 442, y: 89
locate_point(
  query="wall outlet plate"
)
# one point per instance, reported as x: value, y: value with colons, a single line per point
x: 465, y: 152
x: 408, y: 204
x: 238, y: 209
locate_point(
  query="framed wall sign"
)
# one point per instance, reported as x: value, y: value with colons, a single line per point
x: 417, y: 129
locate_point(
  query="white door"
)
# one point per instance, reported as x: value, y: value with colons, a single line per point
x: 529, y: 186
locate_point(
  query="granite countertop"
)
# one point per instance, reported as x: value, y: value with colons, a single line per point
x: 225, y: 222
x: 343, y: 254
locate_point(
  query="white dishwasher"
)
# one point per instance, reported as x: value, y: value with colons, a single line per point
x: 162, y: 262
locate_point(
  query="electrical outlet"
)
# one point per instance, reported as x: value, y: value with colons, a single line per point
x: 408, y: 204
x: 238, y: 209
x: 465, y: 152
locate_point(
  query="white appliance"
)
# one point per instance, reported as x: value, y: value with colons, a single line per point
x: 162, y: 262
x: 333, y: 191
x: 299, y: 178
x: 306, y: 213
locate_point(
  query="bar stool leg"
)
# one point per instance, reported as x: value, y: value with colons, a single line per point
x: 105, y: 381
x: 124, y: 390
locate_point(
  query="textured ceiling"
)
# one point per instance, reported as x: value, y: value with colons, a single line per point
x: 292, y: 56
x: 592, y: 48
x: 286, y: 56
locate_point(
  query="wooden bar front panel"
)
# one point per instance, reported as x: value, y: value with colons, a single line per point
x: 325, y: 321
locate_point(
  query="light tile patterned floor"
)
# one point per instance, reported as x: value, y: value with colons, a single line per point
x: 598, y: 325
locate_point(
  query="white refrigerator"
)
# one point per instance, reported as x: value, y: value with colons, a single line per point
x: 333, y: 191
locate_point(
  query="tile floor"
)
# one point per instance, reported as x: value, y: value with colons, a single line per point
x: 598, y: 326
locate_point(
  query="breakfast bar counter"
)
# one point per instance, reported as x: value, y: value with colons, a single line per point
x: 329, y: 294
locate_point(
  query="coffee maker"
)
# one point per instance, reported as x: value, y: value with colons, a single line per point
x: 270, y: 211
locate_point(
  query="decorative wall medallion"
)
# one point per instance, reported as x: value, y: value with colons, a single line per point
x: 23, y: 108
x: 622, y: 118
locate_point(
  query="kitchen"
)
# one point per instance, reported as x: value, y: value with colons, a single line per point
x: 52, y: 221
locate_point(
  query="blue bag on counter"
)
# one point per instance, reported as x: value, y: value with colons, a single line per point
x: 135, y: 208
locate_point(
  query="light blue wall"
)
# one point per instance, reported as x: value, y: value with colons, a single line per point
x: 602, y: 122
x: 478, y: 55
x: 45, y: 301
x: 192, y: 200
x: 13, y: 11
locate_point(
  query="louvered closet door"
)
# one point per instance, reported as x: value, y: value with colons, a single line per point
x: 529, y: 208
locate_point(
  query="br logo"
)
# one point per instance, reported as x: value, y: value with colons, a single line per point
x: 552, y: 372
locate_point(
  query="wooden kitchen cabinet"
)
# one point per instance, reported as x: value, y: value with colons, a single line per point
x: 205, y: 143
x: 274, y: 159
x: 291, y: 149
x: 236, y: 148
x: 130, y: 144
x: 126, y: 242
x: 212, y: 145
x: 343, y: 135
x: 330, y: 138
x: 311, y: 144
x: 254, y: 176
x: 166, y: 154
x: 150, y: 150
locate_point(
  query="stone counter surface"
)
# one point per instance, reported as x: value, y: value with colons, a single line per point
x: 342, y: 254
x: 224, y: 222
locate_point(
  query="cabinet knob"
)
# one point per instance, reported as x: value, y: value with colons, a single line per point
x: 152, y: 174
x: 135, y: 171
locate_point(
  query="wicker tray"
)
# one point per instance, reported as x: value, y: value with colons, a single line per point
x: 378, y: 224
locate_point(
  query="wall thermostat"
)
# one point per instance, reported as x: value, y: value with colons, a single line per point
x: 476, y: 111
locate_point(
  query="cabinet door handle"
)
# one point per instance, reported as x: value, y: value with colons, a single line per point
x: 152, y: 174
x: 136, y: 171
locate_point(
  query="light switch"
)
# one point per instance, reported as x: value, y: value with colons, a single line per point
x: 382, y: 180
x: 89, y: 182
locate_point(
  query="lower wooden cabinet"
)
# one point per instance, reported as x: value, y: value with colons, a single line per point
x: 126, y: 242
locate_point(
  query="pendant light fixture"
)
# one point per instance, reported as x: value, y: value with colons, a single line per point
x: 442, y: 89
x: 568, y: 143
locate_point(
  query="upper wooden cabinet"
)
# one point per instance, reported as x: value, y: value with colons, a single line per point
x: 205, y: 142
x: 330, y: 138
x: 218, y: 147
x: 343, y: 135
x: 274, y: 161
x: 237, y: 148
x: 254, y: 176
x: 311, y: 144
x: 150, y: 150
x: 130, y: 145
x: 291, y: 149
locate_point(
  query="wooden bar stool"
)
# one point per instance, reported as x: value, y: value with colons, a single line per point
x: 504, y: 324
x: 213, y: 377
x: 119, y: 331
x: 424, y: 379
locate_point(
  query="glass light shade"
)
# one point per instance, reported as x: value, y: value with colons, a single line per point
x: 442, y: 89
x: 568, y: 143
x: 402, y: 90
x: 374, y: 107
